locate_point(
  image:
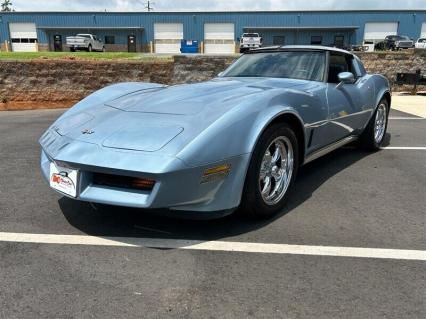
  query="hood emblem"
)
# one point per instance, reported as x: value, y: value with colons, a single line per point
x: 87, y: 131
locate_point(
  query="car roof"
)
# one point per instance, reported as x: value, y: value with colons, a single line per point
x: 299, y: 47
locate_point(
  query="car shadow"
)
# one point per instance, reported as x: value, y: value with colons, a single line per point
x: 127, y: 222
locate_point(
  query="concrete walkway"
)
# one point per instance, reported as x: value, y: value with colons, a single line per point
x: 412, y: 104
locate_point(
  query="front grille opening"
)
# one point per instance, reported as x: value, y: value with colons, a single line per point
x: 123, y: 181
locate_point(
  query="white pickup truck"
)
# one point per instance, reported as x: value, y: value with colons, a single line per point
x: 87, y: 42
x: 421, y: 43
x: 250, y: 41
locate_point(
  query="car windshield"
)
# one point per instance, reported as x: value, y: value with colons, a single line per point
x: 84, y: 35
x: 302, y: 65
x: 250, y: 35
x: 403, y: 37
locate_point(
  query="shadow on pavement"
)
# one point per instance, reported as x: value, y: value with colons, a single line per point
x: 126, y: 222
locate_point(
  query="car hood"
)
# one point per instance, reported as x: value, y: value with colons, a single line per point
x: 165, y: 119
x: 190, y: 99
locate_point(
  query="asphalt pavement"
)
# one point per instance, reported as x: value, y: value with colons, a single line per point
x: 350, y: 198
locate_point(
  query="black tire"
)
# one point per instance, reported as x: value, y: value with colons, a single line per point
x: 368, y: 140
x: 252, y: 203
x: 72, y: 49
x: 89, y: 48
x: 103, y: 49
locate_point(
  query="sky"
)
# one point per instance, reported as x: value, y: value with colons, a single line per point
x: 213, y: 5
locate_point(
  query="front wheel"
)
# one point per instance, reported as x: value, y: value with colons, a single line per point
x: 89, y: 48
x: 374, y: 134
x: 271, y: 173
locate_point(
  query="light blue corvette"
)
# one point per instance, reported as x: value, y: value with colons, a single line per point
x: 209, y: 148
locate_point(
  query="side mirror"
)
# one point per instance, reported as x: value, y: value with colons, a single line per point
x: 345, y: 78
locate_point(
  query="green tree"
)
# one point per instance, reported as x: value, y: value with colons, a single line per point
x: 6, y: 6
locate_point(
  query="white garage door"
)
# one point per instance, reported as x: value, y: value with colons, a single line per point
x: 23, y: 37
x: 377, y: 31
x: 167, y: 37
x: 423, y: 30
x: 219, y: 38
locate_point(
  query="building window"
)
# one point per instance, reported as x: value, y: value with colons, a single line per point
x: 339, y: 41
x: 109, y: 39
x: 316, y: 40
x: 278, y: 40
x: 23, y: 40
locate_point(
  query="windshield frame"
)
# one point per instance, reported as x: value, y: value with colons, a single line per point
x: 274, y: 50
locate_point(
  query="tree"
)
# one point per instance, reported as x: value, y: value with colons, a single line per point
x: 6, y: 6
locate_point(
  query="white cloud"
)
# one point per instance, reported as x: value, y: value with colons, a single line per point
x: 214, y: 5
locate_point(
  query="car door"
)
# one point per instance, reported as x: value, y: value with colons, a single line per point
x: 96, y: 43
x: 350, y: 105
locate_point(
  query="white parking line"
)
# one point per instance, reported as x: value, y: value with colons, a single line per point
x: 421, y: 148
x: 225, y: 246
x: 406, y: 118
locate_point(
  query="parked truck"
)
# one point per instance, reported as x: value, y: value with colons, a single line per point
x: 250, y: 41
x: 86, y: 42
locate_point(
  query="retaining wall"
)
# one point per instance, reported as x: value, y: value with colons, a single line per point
x: 60, y: 83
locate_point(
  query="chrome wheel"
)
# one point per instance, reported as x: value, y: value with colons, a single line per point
x: 380, y: 123
x: 276, y: 170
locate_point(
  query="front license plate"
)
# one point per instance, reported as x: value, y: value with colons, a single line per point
x: 64, y: 179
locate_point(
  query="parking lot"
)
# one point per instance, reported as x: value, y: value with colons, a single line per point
x: 58, y: 260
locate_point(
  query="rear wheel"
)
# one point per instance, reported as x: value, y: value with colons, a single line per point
x: 89, y: 48
x: 271, y: 173
x: 374, y: 134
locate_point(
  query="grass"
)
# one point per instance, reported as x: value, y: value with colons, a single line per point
x: 145, y: 57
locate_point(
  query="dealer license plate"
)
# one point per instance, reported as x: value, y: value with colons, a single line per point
x: 64, y: 179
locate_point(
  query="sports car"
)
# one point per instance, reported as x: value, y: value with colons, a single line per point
x: 209, y: 148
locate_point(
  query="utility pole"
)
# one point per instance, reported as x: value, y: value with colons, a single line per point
x: 149, y: 6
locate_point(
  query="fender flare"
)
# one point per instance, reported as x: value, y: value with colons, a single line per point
x: 273, y: 115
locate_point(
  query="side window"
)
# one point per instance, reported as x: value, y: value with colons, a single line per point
x: 339, y: 63
x: 359, y: 67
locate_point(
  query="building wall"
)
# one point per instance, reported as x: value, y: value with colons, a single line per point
x: 410, y: 23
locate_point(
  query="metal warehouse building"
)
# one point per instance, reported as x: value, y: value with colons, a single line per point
x: 217, y: 32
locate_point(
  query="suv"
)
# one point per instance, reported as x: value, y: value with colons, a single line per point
x: 396, y: 42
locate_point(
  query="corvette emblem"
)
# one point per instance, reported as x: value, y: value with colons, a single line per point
x: 87, y: 131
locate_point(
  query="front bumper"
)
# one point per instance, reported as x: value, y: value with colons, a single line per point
x: 178, y: 186
x: 249, y: 46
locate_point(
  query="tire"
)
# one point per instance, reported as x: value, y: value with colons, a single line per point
x: 374, y: 134
x: 89, y: 48
x: 72, y: 49
x: 255, y: 204
x: 103, y: 49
